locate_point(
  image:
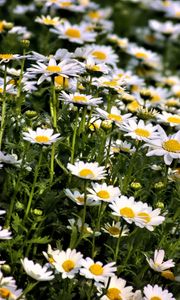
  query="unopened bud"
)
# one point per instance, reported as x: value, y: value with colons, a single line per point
x: 25, y: 43
x: 6, y: 268
x: 160, y: 204
x: 37, y: 212
x: 31, y: 114
x: 106, y: 124
x: 159, y: 185
x: 136, y: 185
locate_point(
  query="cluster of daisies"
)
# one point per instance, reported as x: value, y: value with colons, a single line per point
x: 133, y: 109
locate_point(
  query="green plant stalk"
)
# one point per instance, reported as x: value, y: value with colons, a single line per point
x: 117, y: 246
x: 52, y: 163
x: 33, y: 185
x: 74, y: 137
x: 27, y: 289
x: 3, y: 113
x: 54, y: 99
x: 19, y: 102
x: 109, y: 145
x: 11, y: 206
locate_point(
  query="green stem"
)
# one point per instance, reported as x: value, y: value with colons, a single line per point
x: 117, y: 246
x: 74, y: 137
x: 18, y: 97
x: 3, y: 112
x: 33, y: 185
x: 27, y: 290
x: 11, y: 207
x: 109, y: 145
x: 52, y: 163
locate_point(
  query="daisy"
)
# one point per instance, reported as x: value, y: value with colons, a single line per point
x: 116, y: 290
x: 140, y: 131
x: 167, y: 146
x: 5, y: 234
x: 49, y: 255
x: 48, y: 20
x: 157, y: 264
x: 94, y: 67
x: 115, y: 229
x: 68, y: 263
x: 74, y: 33
x: 9, y: 158
x: 78, y: 197
x: 96, y: 270
x: 173, y: 10
x: 109, y: 82
x: 91, y: 171
x: 41, y: 136
x: 80, y: 99
x: 146, y: 217
x: 97, y: 15
x: 10, y: 293
x: 102, y: 54
x: 6, y: 57
x: 166, y: 28
x: 125, y: 207
x: 103, y: 192
x: 36, y: 271
x: 156, y: 293
x: 114, y: 115
x: 87, y: 230
x: 172, y: 120
x: 65, y: 68
x: 122, y: 146
x: 2, y: 212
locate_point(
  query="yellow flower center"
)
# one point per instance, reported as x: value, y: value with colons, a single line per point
x: 155, y: 298
x: 142, y: 132
x: 113, y: 230
x: 177, y: 14
x: 99, y: 55
x: 166, y: 3
x: 73, y: 33
x: 96, y: 269
x: 144, y: 216
x: 68, y: 265
x: 177, y: 93
x: 42, y: 139
x: 175, y: 119
x: 95, y: 68
x: 155, y: 98
x: 1, y: 26
x: 115, y: 117
x: 86, y: 173
x: 48, y: 21
x: 133, y: 106
x: 51, y: 260
x: 5, y: 293
x: 141, y: 55
x: 127, y: 212
x: 80, y: 199
x: 1, y: 90
x: 112, y: 83
x: 79, y: 98
x: 65, y: 4
x: 168, y: 275
x: 53, y: 69
x: 6, y: 56
x: 94, y: 15
x: 62, y: 81
x: 103, y: 194
x: 113, y: 294
x: 171, y: 146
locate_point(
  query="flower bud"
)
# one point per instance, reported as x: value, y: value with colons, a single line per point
x: 6, y: 268
x: 136, y: 185
x: 160, y: 204
x: 159, y: 185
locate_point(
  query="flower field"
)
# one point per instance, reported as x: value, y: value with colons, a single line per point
x: 89, y: 149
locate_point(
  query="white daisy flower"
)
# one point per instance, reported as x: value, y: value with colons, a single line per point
x: 98, y: 14
x: 173, y: 10
x: 146, y: 56
x: 10, y: 293
x: 114, y: 115
x: 166, y: 28
x: 140, y: 131
x: 156, y: 293
x: 91, y: 171
x: 9, y: 158
x: 65, y: 68
x: 146, y: 217
x: 2, y: 212
x: 78, y: 197
x: 96, y: 270
x: 48, y: 20
x: 167, y: 146
x: 109, y: 82
x: 125, y: 207
x: 41, y: 136
x: 157, y: 263
x: 93, y: 66
x: 103, y: 192
x: 102, y: 54
x: 49, y: 255
x: 87, y: 230
x: 122, y: 146
x: 68, y: 263
x: 6, y: 57
x: 74, y: 33
x: 5, y: 234
x: 172, y: 120
x: 36, y: 271
x: 115, y: 229
x: 117, y: 289
x: 80, y: 99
